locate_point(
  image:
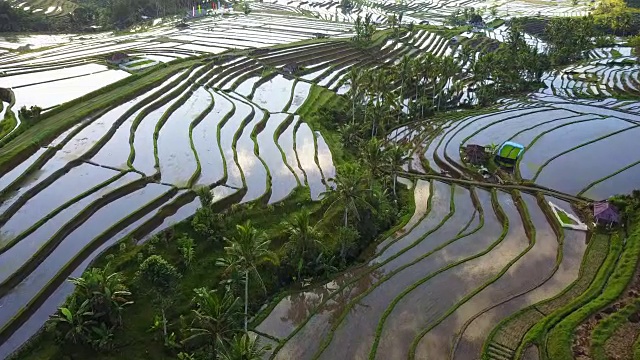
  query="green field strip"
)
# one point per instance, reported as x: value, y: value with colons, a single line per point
x: 335, y: 324
x: 11, y: 243
x: 315, y: 158
x: 636, y: 348
x: 315, y: 54
x: 53, y: 123
x: 529, y: 230
x: 314, y: 312
x: 62, y: 275
x: 8, y: 123
x: 605, y: 329
x: 293, y: 91
x: 558, y: 344
x: 592, y: 184
x: 228, y: 71
x: 578, y: 297
x: 276, y: 135
x: 512, y: 329
x: 577, y: 147
x: 192, y: 125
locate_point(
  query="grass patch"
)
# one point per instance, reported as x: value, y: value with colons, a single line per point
x: 511, y: 330
x: 615, y: 54
x: 565, y: 218
x: 606, y: 328
x: 8, y: 123
x: 560, y: 337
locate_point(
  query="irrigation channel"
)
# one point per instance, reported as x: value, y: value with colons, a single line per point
x: 221, y: 114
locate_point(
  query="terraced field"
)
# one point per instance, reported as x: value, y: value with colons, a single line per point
x: 558, y: 134
x: 131, y: 169
x: 435, y: 12
x: 229, y: 122
x: 480, y: 262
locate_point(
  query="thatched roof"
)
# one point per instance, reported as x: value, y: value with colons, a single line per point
x: 605, y: 212
x: 475, y: 154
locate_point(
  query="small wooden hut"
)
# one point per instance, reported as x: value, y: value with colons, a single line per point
x: 606, y: 214
x: 475, y: 154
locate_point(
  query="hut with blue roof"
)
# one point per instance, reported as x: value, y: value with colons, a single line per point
x: 508, y: 153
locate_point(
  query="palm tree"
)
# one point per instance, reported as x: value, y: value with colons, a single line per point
x: 373, y: 156
x: 216, y: 317
x: 353, y: 77
x: 245, y: 251
x: 243, y: 347
x: 349, y: 132
x: 348, y: 193
x: 396, y: 157
x: 304, y: 239
x: 405, y: 69
x: 448, y: 69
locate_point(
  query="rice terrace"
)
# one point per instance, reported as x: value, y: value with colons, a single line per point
x: 302, y: 180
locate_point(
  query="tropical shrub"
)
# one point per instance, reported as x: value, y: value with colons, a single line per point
x: 94, y: 310
x: 29, y: 114
x: 160, y: 280
x: 187, y: 250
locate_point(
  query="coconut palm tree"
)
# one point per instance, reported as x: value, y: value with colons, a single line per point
x: 348, y: 193
x: 448, y: 69
x: 243, y: 347
x: 397, y: 155
x: 405, y: 71
x: 304, y: 239
x: 248, y: 249
x: 216, y: 317
x: 373, y: 156
x: 353, y: 77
